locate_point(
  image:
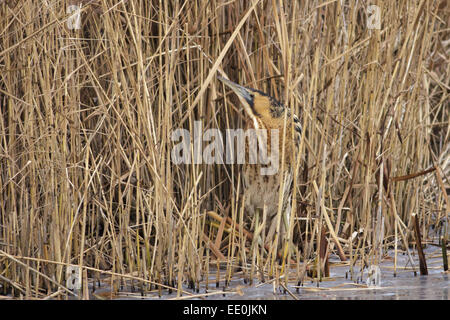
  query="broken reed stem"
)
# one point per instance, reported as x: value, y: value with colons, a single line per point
x: 422, y: 260
x: 444, y: 253
x: 412, y: 175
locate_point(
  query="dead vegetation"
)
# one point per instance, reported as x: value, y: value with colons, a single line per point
x: 86, y: 176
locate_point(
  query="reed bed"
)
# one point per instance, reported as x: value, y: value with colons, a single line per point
x: 87, y: 114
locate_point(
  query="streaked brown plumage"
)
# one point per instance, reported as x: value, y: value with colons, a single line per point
x: 264, y: 112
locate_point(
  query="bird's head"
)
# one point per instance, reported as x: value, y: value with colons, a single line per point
x: 265, y: 111
x: 256, y: 103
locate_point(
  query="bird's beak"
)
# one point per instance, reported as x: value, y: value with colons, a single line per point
x: 241, y: 91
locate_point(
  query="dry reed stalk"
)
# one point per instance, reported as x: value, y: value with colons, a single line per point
x: 422, y: 260
x: 86, y: 170
x: 444, y: 253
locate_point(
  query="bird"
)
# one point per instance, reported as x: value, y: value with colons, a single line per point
x: 261, y: 192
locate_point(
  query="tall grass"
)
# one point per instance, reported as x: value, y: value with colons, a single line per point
x: 87, y: 116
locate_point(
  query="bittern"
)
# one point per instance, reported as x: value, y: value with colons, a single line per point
x: 261, y: 192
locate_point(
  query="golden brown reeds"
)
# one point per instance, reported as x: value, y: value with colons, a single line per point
x: 86, y: 176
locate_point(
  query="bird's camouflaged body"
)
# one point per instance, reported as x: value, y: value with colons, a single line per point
x: 262, y: 192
